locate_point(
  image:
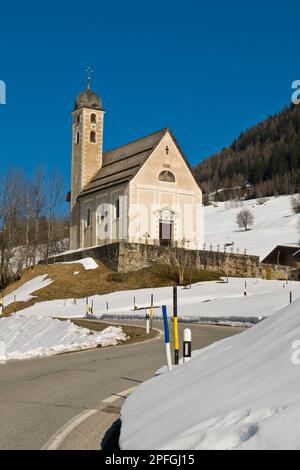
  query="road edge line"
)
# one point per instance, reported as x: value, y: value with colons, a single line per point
x: 58, y: 438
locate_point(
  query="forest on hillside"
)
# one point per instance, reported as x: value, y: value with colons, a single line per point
x: 263, y: 161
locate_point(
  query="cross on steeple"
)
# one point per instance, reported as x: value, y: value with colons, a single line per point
x: 89, y: 71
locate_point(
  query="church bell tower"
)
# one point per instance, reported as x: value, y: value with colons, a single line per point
x: 87, y: 151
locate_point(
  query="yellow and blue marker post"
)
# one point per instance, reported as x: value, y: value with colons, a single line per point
x: 175, y: 327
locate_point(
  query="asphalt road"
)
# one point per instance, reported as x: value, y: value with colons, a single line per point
x: 57, y: 402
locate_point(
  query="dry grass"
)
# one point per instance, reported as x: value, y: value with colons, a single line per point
x: 102, y: 280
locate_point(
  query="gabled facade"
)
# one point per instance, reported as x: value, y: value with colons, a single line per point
x: 143, y: 192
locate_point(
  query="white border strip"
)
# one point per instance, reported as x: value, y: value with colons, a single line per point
x: 57, y: 439
x: 117, y: 396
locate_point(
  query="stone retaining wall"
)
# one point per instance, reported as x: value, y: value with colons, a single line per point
x: 125, y: 257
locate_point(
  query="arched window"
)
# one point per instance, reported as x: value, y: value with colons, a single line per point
x: 117, y: 208
x: 166, y: 176
x: 78, y: 119
x: 93, y: 118
x: 77, y: 138
x: 88, y: 218
x: 93, y: 137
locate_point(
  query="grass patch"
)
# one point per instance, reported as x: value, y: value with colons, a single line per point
x: 168, y: 272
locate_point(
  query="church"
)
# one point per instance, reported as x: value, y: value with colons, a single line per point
x: 142, y: 192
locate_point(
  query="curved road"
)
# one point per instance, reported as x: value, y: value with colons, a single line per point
x: 57, y: 402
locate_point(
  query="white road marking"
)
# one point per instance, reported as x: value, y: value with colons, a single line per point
x: 111, y: 399
x: 116, y: 396
x: 57, y: 439
x: 127, y: 392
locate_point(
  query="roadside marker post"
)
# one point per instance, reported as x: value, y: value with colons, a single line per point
x: 89, y: 307
x: 86, y: 307
x: 175, y: 327
x: 147, y: 323
x: 1, y: 303
x: 291, y: 297
x: 147, y: 309
x: 151, y: 312
x: 167, y: 337
x: 187, y: 345
x: 245, y: 290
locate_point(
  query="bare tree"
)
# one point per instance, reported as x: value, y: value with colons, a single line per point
x: 31, y: 221
x: 298, y: 228
x: 38, y: 205
x: 54, y: 199
x: 245, y: 219
x: 10, y: 216
x: 261, y: 201
x: 182, y: 261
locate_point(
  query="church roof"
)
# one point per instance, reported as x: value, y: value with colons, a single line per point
x: 121, y: 164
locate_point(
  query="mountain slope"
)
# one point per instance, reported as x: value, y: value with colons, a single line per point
x: 274, y: 224
x: 264, y: 160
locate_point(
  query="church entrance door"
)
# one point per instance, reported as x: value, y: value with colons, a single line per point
x: 166, y: 232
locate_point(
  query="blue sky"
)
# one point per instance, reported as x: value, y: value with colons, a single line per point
x: 208, y: 70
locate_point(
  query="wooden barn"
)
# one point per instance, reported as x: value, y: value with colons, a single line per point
x: 284, y: 255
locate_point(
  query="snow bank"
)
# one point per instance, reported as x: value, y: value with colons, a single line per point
x: 23, y: 293
x: 274, y: 224
x: 239, y: 393
x: 24, y: 337
x: 204, y: 301
x: 87, y: 263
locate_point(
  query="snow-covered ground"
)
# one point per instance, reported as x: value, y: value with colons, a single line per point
x: 87, y: 263
x: 274, y: 224
x: 23, y: 293
x: 206, y: 300
x: 24, y: 337
x: 240, y: 393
